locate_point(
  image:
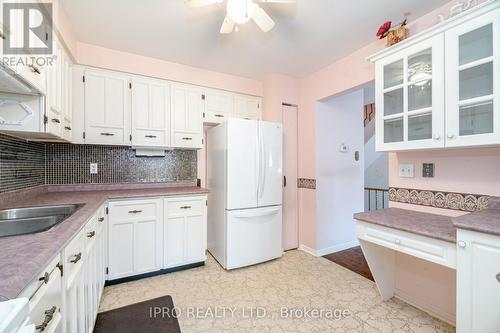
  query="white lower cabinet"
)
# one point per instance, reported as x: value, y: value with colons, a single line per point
x: 478, y: 282
x: 185, y: 231
x: 135, y: 237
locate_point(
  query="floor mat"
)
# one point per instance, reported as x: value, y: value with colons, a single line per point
x: 352, y: 259
x: 152, y: 316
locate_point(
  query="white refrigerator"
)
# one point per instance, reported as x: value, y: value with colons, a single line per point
x: 244, y: 176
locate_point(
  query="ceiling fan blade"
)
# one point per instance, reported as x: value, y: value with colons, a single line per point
x: 227, y: 26
x: 264, y: 21
x: 200, y: 3
x: 279, y: 1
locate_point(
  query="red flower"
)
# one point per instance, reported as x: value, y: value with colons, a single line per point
x: 383, y: 29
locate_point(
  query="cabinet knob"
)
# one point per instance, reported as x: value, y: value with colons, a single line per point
x: 91, y: 234
x: 101, y: 219
x: 461, y: 244
x: 498, y: 277
x: 397, y: 241
x: 451, y: 135
x: 437, y: 137
x: 45, y: 278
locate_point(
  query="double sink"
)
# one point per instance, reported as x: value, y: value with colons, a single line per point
x: 20, y: 221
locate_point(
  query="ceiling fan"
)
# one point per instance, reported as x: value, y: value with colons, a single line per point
x: 240, y: 12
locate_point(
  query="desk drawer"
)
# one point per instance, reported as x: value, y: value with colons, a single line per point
x: 430, y: 249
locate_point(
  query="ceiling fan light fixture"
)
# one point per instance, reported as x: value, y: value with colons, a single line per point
x: 240, y: 11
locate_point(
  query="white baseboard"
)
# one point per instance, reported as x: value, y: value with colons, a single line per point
x: 450, y: 318
x: 337, y: 248
x: 307, y: 249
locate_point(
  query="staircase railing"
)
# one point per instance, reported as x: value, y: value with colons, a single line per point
x: 376, y: 198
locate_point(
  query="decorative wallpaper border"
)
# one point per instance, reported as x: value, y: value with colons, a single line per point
x: 439, y: 199
x: 306, y: 183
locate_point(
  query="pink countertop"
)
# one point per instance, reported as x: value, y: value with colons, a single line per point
x: 23, y: 257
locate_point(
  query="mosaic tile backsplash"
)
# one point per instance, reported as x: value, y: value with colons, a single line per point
x: 22, y: 164
x: 28, y: 164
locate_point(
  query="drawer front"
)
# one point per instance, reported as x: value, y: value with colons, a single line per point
x: 105, y: 135
x: 45, y: 305
x: 185, y: 206
x: 430, y: 249
x: 134, y: 210
x: 73, y: 255
x: 215, y: 117
x: 187, y: 140
x: 43, y: 277
x: 150, y: 138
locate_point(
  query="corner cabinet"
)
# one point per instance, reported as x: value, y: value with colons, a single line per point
x: 440, y: 88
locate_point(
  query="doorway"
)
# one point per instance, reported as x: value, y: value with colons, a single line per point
x: 290, y: 162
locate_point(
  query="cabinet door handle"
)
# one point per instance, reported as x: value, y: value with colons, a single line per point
x: 55, y: 120
x: 185, y: 207
x: 219, y: 115
x: 35, y: 69
x: 77, y: 256
x: 101, y: 219
x: 135, y: 211
x: 437, y: 137
x: 397, y: 241
x: 187, y: 138
x: 498, y: 277
x: 107, y: 134
x: 49, y: 314
x: 45, y: 278
x: 2, y: 35
x: 461, y: 244
x: 91, y: 234
x: 67, y: 128
x: 451, y: 135
x: 151, y: 136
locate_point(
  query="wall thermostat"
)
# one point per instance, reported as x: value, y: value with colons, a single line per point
x: 343, y: 148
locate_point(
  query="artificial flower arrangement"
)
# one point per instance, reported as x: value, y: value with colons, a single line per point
x: 394, y: 34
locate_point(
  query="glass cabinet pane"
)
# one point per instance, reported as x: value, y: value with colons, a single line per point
x: 393, y: 130
x: 420, y: 66
x: 420, y: 127
x: 476, y: 81
x: 393, y: 74
x: 420, y: 95
x: 393, y: 102
x: 476, y: 45
x: 476, y: 119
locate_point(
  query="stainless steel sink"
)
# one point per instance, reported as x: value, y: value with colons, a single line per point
x: 20, y: 221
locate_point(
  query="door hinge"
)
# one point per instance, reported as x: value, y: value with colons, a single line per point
x: 45, y: 119
x: 61, y: 268
x: 130, y: 137
x: 202, y: 141
x: 258, y: 106
x: 130, y: 85
x: 203, y: 96
x: 206, y: 202
x: 107, y: 211
x: 83, y: 79
x: 203, y: 114
x: 84, y: 135
x: 107, y: 270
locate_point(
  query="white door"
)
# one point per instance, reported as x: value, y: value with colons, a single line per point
x: 242, y: 173
x: 253, y: 236
x: 472, y: 82
x: 187, y: 116
x: 150, y: 113
x: 290, y: 144
x: 478, y: 282
x: 107, y: 108
x: 270, y: 164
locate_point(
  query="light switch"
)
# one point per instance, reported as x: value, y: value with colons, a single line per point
x: 406, y: 170
x: 93, y: 168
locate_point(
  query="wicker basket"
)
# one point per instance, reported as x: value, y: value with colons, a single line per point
x: 396, y: 35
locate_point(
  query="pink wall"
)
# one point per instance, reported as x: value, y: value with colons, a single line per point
x: 97, y: 56
x: 278, y: 89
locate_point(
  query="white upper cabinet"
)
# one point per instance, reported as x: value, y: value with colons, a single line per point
x: 473, y: 86
x: 219, y: 105
x: 150, y: 113
x: 107, y: 108
x: 187, y: 112
x: 441, y: 87
x: 410, y: 97
x: 247, y: 107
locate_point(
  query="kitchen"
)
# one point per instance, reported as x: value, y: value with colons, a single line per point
x: 134, y: 180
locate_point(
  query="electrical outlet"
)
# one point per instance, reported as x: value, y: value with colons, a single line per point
x: 406, y: 170
x: 93, y: 168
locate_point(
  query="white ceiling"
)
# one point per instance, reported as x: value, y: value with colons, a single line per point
x: 308, y: 35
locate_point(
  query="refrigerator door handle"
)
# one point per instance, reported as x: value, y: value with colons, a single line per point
x: 261, y: 163
x: 250, y: 215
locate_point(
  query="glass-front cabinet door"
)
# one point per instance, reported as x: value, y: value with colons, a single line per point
x: 410, y: 97
x: 473, y: 82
